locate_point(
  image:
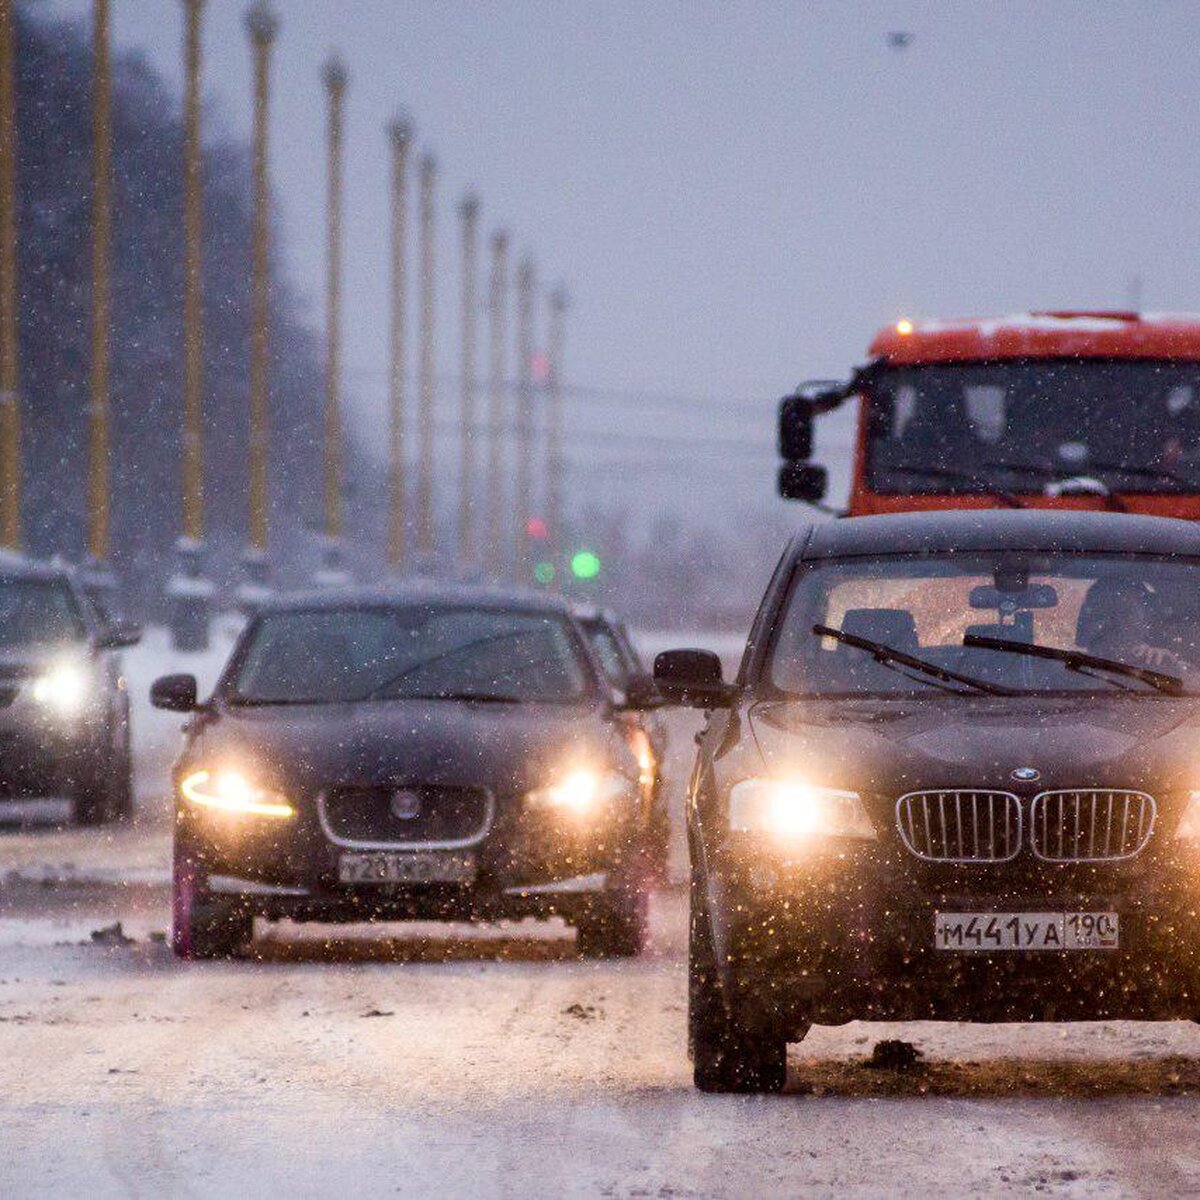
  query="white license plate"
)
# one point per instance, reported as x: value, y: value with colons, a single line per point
x: 389, y: 866
x: 1027, y: 931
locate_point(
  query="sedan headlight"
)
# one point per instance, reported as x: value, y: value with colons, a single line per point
x: 231, y: 791
x: 1188, y: 828
x: 582, y: 792
x: 791, y: 809
x: 64, y: 689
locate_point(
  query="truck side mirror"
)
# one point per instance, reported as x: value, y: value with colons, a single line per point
x: 803, y: 481
x: 795, y: 428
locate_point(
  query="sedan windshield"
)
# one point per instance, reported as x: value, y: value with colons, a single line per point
x: 1124, y: 623
x: 329, y: 656
x: 1028, y: 425
x: 35, y: 612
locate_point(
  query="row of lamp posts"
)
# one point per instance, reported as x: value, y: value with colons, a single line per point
x: 481, y: 551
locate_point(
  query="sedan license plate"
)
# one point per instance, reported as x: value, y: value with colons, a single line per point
x: 1026, y: 931
x: 388, y: 866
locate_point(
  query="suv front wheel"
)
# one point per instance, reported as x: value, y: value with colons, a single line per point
x: 728, y: 1053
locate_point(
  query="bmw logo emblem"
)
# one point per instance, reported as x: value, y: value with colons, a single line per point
x: 406, y: 805
x: 1027, y: 774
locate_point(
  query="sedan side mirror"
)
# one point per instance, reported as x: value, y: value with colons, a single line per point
x: 640, y: 692
x: 119, y: 634
x: 692, y: 679
x: 175, y: 693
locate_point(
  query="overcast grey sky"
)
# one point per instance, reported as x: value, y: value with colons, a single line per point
x: 738, y: 194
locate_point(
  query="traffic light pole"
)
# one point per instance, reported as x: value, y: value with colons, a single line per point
x: 498, y: 336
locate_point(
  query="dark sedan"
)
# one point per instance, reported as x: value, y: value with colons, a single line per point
x: 412, y: 754
x: 64, y: 706
x: 956, y: 778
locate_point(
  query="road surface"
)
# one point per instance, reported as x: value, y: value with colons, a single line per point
x: 425, y: 1060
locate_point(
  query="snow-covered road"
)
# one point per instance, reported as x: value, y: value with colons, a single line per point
x: 421, y: 1060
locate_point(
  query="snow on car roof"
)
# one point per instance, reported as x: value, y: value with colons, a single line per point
x: 1000, y: 529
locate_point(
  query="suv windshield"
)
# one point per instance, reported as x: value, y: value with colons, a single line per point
x: 1140, y: 612
x: 1023, y: 424
x: 37, y: 612
x: 329, y: 656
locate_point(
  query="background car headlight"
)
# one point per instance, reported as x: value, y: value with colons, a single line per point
x: 1189, y: 824
x: 582, y: 792
x: 231, y: 791
x: 792, y: 809
x: 64, y: 688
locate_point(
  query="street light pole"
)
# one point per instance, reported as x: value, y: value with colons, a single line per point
x: 262, y: 26
x: 189, y: 592
x: 98, y: 576
x: 425, y: 516
x: 554, y: 455
x: 400, y: 135
x: 523, y: 504
x: 498, y: 337
x: 10, y: 403
x: 332, y: 571
x: 468, y: 553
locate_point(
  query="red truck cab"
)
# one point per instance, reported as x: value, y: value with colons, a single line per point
x: 1042, y: 410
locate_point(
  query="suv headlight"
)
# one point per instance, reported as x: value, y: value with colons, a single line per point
x: 232, y: 792
x: 1188, y: 828
x: 582, y: 792
x: 791, y: 809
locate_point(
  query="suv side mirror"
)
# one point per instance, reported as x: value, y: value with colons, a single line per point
x: 119, y: 634
x: 691, y: 679
x: 803, y: 481
x: 175, y: 693
x: 640, y: 692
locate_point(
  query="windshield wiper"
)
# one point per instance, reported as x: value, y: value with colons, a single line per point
x: 1078, y: 660
x: 889, y: 656
x: 1007, y: 498
x: 475, y: 697
x: 276, y: 701
x: 1058, y: 478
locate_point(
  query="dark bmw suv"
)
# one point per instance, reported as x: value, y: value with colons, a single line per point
x: 414, y: 753
x: 956, y: 778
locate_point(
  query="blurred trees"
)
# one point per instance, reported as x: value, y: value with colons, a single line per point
x: 54, y: 215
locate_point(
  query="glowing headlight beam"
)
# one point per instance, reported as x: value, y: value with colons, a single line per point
x: 1188, y: 828
x: 63, y: 688
x: 230, y: 791
x: 581, y: 791
x: 792, y: 809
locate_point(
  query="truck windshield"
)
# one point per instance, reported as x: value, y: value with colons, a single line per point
x: 1131, y: 611
x: 1025, y: 425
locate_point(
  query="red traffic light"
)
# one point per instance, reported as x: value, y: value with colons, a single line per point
x: 535, y: 527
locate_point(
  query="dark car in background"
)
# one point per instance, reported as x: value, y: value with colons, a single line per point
x: 64, y: 705
x: 406, y: 754
x: 956, y: 779
x: 622, y: 665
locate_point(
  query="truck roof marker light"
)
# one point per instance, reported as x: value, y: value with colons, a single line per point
x: 904, y: 327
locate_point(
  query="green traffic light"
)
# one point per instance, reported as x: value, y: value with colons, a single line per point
x: 585, y: 565
x: 543, y: 572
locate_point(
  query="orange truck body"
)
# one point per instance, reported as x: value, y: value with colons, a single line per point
x: 1051, y: 336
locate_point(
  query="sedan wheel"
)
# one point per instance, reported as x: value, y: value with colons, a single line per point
x: 204, y: 925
